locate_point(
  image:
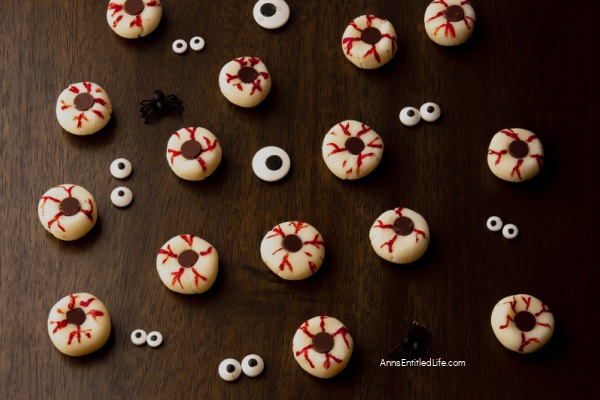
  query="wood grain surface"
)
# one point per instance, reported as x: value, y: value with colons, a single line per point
x: 530, y: 64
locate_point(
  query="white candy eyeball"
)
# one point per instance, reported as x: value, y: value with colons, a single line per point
x: 230, y: 370
x: 179, y: 46
x: 510, y: 231
x: 271, y: 14
x: 197, y: 43
x: 410, y: 116
x: 253, y: 365
x: 430, y: 112
x: 120, y: 168
x: 138, y: 337
x: 121, y: 196
x: 271, y: 163
x: 494, y: 224
x: 154, y: 339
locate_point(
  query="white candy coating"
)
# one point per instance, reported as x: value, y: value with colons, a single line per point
x: 365, y: 55
x: 410, y: 116
x: 253, y: 370
x: 245, y: 94
x: 138, y: 337
x: 83, y: 122
x: 133, y: 26
x: 430, y: 112
x: 261, y: 169
x: 445, y: 32
x: 494, y: 224
x: 179, y: 46
x: 509, y: 168
x: 201, y: 167
x: 197, y: 43
x: 120, y: 168
x: 510, y: 231
x: 277, y: 20
x: 154, y: 339
x: 121, y: 196
x: 234, y: 365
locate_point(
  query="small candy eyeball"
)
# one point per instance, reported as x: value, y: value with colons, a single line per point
x: 230, y: 370
x: 271, y: 163
x: 271, y: 14
x: 121, y: 196
x: 120, y: 168
x: 253, y: 365
x: 179, y: 46
x: 430, y: 112
x: 410, y: 116
x: 138, y: 337
x: 494, y: 224
x: 154, y: 339
x: 510, y: 231
x: 197, y: 43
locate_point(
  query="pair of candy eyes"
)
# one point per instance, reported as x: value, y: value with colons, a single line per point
x: 153, y: 339
x: 180, y: 46
x: 271, y: 14
x: 122, y: 196
x: 510, y: 231
x: 252, y: 366
x: 429, y: 112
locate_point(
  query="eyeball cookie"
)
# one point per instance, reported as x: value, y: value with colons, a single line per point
x: 515, y: 155
x: 83, y: 108
x: 293, y: 250
x: 187, y: 264
x: 323, y: 346
x: 133, y: 18
x: 369, y: 42
x: 79, y: 324
x: 193, y: 153
x: 352, y: 150
x: 400, y: 236
x: 449, y: 22
x: 522, y: 323
x: 245, y: 81
x: 68, y: 211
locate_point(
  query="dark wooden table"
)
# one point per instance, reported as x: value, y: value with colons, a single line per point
x: 530, y: 64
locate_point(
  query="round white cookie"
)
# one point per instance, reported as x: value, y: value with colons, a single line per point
x: 187, y: 264
x: 193, y: 153
x: 400, y: 236
x: 79, y: 324
x: 449, y: 22
x: 293, y: 250
x: 245, y: 81
x: 352, y: 150
x: 522, y: 323
x: 515, y: 155
x: 68, y: 211
x: 83, y: 108
x: 322, y: 346
x: 369, y: 42
x: 133, y: 18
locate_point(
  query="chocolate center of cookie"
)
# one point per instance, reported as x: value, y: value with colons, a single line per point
x: 454, y: 13
x: 69, y: 206
x: 268, y: 9
x: 76, y: 316
x: 322, y: 342
x: 83, y: 101
x: 274, y: 163
x: 191, y: 149
x: 187, y: 258
x: 354, y: 145
x: 518, y: 149
x: 134, y: 7
x: 292, y: 243
x: 525, y: 321
x: 371, y: 35
x: 403, y: 226
x: 247, y: 74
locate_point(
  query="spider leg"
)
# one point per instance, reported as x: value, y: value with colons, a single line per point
x: 147, y: 107
x: 148, y: 114
x: 172, y: 102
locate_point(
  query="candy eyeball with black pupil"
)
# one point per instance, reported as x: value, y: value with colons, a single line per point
x: 154, y: 339
x: 138, y: 337
x: 271, y: 163
x: 197, y: 43
x: 121, y: 196
x: 271, y: 14
x: 410, y: 116
x: 494, y: 224
x: 179, y: 46
x: 430, y: 112
x: 120, y: 168
x: 253, y: 365
x: 510, y: 231
x: 230, y: 370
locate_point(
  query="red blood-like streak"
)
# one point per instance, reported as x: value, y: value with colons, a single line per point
x: 538, y: 158
x: 116, y: 8
x: 177, y: 277
x: 312, y: 266
x: 449, y: 29
x: 526, y: 342
x: 197, y: 276
x: 284, y: 262
x: 117, y: 20
x: 95, y: 313
x: 389, y: 243
x: 242, y: 61
x: 254, y: 61
x: 527, y: 301
x: 305, y: 351
x: 343, y: 331
x: 98, y: 113
x: 88, y: 86
x: 531, y: 138
x: 336, y: 149
x: 46, y: 198
x: 188, y: 239
x: 87, y: 302
x: 436, y: 16
x: 206, y: 252
x: 168, y: 252
x: 59, y: 325
x: 231, y: 77
x: 315, y: 242
x: 308, y: 254
x: 353, y: 24
x: 328, y: 357
x: 136, y: 22
x: 278, y: 232
x: 304, y: 328
x: 373, y: 145
x: 73, y: 89
x: 462, y: 3
x: 543, y: 310
x: 152, y: 3
x: 88, y: 213
x: 55, y: 219
x: 256, y: 86
x: 72, y: 301
x: 360, y: 159
x: 79, y: 118
x: 209, y: 146
x: 508, y: 319
x: 345, y: 129
x: 511, y: 134
x: 192, y: 132
x: 441, y: 2
x: 466, y: 19
x: 392, y: 38
x: 298, y: 226
x: 512, y: 304
x: 177, y: 134
x: 64, y: 105
x: 364, y: 130
x: 517, y: 168
x: 398, y: 211
x: 202, y: 164
x: 544, y: 325
x: 383, y: 226
x: 499, y: 154
x: 322, y: 323
x: 349, y: 43
x: 371, y: 18
x: 174, y: 153
x: 77, y: 333
x: 374, y: 52
x: 100, y: 101
x: 417, y: 233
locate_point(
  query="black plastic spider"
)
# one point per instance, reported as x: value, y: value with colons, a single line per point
x: 158, y: 105
x: 413, y: 345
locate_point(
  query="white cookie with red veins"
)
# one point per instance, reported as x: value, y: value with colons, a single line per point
x: 193, y: 153
x: 68, y: 211
x: 522, y: 323
x: 352, y: 150
x: 369, y: 42
x: 133, y: 18
x: 400, y: 236
x: 293, y: 250
x: 449, y: 22
x: 83, y: 108
x: 79, y: 324
x: 187, y: 264
x: 515, y: 155
x: 323, y: 346
x: 245, y: 81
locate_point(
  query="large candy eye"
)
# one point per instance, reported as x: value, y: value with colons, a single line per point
x: 133, y: 18
x: 449, y: 22
x: 138, y: 337
x: 245, y: 81
x: 230, y: 370
x: 515, y: 155
x: 120, y: 168
x: 510, y: 231
x: 121, y: 196
x: 430, y: 112
x: 410, y: 116
x: 369, y: 41
x: 253, y: 365
x: 193, y: 153
x: 154, y: 339
x: 271, y: 163
x: 271, y: 14
x: 83, y: 108
x: 494, y: 224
